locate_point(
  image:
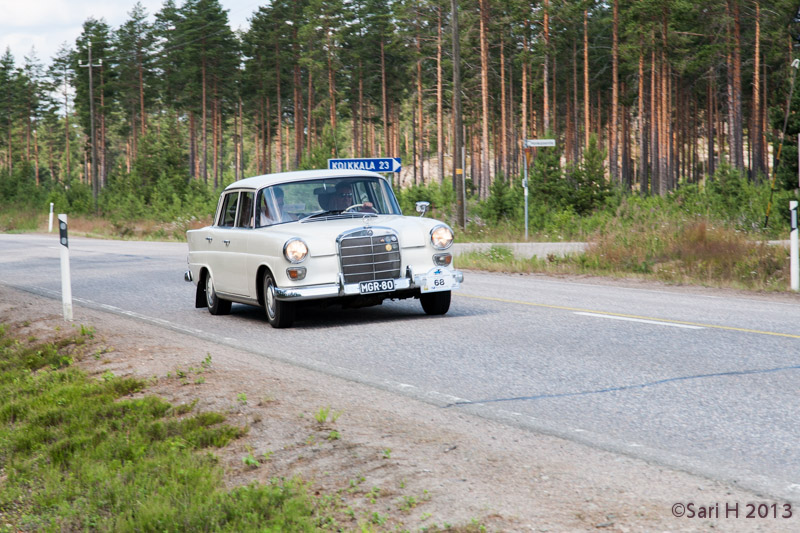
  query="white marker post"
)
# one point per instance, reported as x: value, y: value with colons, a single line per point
x: 794, y: 265
x: 50, y: 223
x: 66, y: 281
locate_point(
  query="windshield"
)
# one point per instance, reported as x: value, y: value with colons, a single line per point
x: 300, y: 200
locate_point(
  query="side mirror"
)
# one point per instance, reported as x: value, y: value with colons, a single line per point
x: 422, y: 208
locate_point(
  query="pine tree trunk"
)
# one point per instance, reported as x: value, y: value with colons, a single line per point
x: 66, y: 137
x: 587, y: 127
x: 625, y: 176
x: 737, y: 142
x: 204, y: 131
x: 524, y: 83
x: 193, y: 146
x: 643, y: 122
x: 440, y: 146
x: 420, y: 133
x: 758, y: 126
x: 36, y: 153
x: 663, y: 135
x: 546, y: 73
x: 299, y: 127
x: 331, y: 87
x: 278, y: 113
x: 385, y: 105
x: 654, y: 127
x: 484, y: 44
x: 215, y: 135
x: 612, y: 145
x: 268, y: 141
x: 312, y: 135
x: 360, y: 129
x: 141, y: 91
x: 576, y: 136
x: 103, y: 169
x: 503, y: 118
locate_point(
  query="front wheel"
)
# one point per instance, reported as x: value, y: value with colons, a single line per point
x: 216, y: 305
x: 435, y: 303
x: 279, y: 314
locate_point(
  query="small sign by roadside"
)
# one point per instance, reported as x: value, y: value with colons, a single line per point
x: 539, y: 143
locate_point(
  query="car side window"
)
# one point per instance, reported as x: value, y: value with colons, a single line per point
x: 245, y: 210
x: 229, y: 206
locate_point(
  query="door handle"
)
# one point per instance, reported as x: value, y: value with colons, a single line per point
x: 227, y: 242
x: 209, y: 239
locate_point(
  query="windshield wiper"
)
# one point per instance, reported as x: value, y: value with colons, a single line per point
x: 338, y: 213
x: 320, y: 214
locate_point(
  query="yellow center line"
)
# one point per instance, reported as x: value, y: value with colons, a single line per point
x: 623, y: 315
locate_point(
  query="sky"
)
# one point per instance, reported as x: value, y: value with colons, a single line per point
x: 45, y: 25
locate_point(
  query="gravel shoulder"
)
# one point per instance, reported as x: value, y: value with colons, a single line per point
x: 390, y: 462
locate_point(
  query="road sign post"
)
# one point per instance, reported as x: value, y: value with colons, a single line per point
x: 66, y: 281
x: 794, y: 262
x: 374, y: 164
x: 525, y: 188
x: 532, y: 143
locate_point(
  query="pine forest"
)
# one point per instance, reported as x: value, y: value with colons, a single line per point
x: 643, y: 97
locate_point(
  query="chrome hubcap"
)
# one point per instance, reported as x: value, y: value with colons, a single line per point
x: 271, y: 299
x: 210, y: 296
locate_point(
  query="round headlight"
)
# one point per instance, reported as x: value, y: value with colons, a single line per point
x: 295, y: 250
x: 441, y: 237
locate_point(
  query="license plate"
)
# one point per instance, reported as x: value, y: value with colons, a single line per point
x: 381, y: 285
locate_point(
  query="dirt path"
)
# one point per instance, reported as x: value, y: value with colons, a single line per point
x: 389, y: 462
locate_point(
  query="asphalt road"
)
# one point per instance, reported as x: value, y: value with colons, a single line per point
x: 698, y: 380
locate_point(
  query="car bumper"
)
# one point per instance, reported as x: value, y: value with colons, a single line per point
x: 341, y: 289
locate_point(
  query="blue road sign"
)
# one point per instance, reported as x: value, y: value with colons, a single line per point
x: 375, y: 164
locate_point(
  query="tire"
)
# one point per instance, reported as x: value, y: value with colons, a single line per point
x: 279, y: 314
x: 435, y: 303
x: 216, y: 305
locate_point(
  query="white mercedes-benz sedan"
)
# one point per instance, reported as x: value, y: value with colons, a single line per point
x: 280, y: 241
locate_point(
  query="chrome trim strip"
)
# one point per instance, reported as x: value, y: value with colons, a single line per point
x: 332, y: 290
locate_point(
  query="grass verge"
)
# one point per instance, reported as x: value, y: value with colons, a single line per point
x: 694, y: 252
x: 26, y: 220
x: 77, y: 453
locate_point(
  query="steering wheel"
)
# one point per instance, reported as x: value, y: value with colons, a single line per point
x: 355, y: 207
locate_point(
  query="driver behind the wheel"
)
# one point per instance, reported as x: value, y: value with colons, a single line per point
x: 343, y: 198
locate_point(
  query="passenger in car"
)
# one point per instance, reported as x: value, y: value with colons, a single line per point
x: 267, y: 217
x: 246, y: 216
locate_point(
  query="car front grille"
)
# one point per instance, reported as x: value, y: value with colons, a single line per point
x: 368, y: 256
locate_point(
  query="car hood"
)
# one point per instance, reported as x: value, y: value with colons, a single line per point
x: 321, y: 235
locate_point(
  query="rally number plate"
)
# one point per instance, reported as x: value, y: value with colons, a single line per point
x: 438, y: 279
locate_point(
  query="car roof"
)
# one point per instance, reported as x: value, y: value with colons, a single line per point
x: 257, y: 182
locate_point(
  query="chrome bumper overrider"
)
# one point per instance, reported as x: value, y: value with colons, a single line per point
x: 333, y: 290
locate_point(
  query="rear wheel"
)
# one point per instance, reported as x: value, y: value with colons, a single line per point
x: 216, y: 305
x: 280, y: 314
x: 435, y: 303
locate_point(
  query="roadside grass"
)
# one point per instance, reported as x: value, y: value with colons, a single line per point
x: 23, y: 220
x: 15, y: 220
x: 681, y: 252
x: 78, y: 453
x: 649, y: 238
